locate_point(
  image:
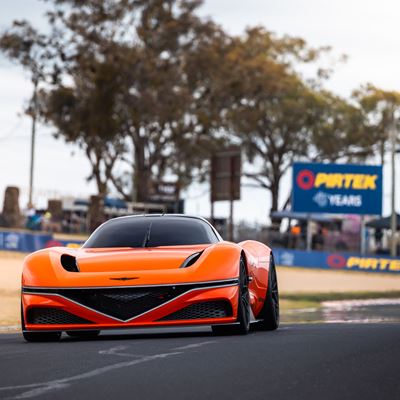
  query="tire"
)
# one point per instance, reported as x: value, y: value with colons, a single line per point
x: 269, y: 314
x: 41, y: 336
x: 242, y: 326
x: 38, y: 336
x: 83, y: 334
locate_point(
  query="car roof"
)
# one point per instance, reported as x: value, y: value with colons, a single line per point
x: 165, y: 215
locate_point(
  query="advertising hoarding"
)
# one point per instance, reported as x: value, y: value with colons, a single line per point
x: 337, y: 261
x: 337, y: 188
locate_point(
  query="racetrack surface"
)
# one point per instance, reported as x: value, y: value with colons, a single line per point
x: 302, y: 361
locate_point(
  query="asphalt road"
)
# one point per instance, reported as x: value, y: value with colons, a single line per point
x: 315, y: 361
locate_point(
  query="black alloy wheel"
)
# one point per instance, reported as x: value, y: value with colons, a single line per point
x: 242, y: 325
x: 268, y: 318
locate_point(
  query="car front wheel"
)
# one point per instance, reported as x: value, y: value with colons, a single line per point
x: 242, y: 325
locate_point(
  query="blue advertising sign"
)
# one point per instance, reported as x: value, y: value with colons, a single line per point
x: 28, y: 242
x: 337, y: 261
x: 337, y: 188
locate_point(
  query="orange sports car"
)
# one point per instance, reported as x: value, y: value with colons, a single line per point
x: 149, y: 271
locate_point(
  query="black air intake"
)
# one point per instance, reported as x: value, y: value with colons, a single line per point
x: 204, y: 310
x: 69, y: 263
x: 53, y: 316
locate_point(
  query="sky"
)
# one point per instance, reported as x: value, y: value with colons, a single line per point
x: 367, y: 31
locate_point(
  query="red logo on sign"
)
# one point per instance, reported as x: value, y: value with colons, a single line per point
x: 305, y: 179
x: 336, y: 261
x: 53, y: 243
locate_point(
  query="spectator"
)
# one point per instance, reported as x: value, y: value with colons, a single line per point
x: 33, y: 219
x: 46, y: 222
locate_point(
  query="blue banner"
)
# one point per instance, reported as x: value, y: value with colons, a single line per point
x: 336, y: 261
x: 337, y: 188
x: 27, y: 242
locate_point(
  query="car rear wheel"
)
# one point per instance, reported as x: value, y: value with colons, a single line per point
x: 243, y: 314
x: 83, y: 334
x: 268, y: 319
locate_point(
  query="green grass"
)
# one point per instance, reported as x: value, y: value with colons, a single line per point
x: 319, y: 297
x: 296, y: 301
x: 286, y: 304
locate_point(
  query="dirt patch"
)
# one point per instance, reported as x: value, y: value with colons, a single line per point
x: 11, y: 264
x: 9, y: 307
x: 11, y: 270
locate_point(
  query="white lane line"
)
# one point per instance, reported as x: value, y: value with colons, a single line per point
x: 194, y: 345
x: 40, y: 388
x: 119, y: 351
x: 44, y: 387
x: 40, y: 391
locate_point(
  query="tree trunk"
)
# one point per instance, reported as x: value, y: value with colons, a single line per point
x: 141, y: 179
x: 96, y: 212
x: 274, y: 189
x: 11, y: 217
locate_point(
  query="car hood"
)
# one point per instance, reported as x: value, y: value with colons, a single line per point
x: 134, y: 259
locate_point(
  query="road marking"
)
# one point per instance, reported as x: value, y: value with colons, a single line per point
x: 116, y: 351
x: 193, y: 346
x: 44, y: 387
x: 40, y: 388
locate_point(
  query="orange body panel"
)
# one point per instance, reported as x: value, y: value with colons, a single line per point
x: 217, y: 268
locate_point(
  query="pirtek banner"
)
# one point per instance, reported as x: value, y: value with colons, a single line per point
x: 337, y: 188
x: 336, y: 261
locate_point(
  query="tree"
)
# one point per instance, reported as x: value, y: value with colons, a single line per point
x: 148, y: 89
x: 279, y: 117
x: 165, y: 103
x: 86, y: 114
x: 272, y: 113
x: 142, y: 50
x: 339, y: 133
x: 380, y: 109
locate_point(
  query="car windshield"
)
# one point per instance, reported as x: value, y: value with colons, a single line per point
x: 149, y: 231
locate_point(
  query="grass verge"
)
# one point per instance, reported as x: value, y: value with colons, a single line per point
x: 330, y: 296
x: 296, y: 301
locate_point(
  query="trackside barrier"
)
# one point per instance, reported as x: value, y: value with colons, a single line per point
x: 336, y: 261
x: 28, y: 242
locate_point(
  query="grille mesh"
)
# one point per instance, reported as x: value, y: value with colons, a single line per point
x: 207, y: 309
x: 52, y: 316
x: 123, y: 303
